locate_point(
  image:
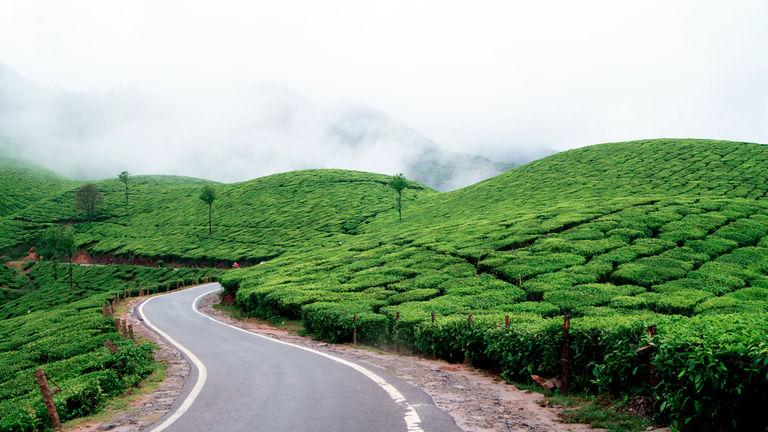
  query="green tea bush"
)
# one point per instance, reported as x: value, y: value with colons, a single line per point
x: 335, y: 322
x: 713, y: 372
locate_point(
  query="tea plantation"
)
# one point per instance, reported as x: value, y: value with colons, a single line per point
x: 665, y: 233
x: 252, y: 221
x: 23, y: 184
x: 63, y: 331
x: 671, y: 233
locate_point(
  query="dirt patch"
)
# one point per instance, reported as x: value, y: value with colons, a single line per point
x: 477, y: 400
x: 19, y: 264
x: 148, y: 408
x: 83, y: 257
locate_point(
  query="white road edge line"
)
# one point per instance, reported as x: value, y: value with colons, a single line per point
x: 202, y: 372
x: 411, y: 417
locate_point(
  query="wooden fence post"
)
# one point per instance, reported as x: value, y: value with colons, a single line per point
x: 565, y: 353
x: 652, y: 376
x: 111, y: 346
x: 354, y: 330
x: 466, y: 353
x: 48, y: 399
x: 397, y: 319
x: 506, y: 322
x: 434, y: 348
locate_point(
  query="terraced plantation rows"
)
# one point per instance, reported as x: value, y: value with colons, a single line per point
x: 253, y: 221
x: 664, y: 233
x: 23, y: 184
x: 63, y: 331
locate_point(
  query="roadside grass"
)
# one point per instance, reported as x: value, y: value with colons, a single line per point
x: 598, y: 413
x: 126, y: 401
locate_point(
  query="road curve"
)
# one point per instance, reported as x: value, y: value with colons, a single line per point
x: 241, y: 381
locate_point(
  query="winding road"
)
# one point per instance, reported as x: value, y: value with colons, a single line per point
x: 242, y: 381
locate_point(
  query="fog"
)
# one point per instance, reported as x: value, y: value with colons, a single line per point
x: 231, y: 90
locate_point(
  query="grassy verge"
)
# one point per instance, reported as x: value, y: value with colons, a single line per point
x: 125, y: 401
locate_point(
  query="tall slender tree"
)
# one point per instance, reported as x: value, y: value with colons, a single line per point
x: 399, y: 183
x: 208, y: 196
x: 68, y: 248
x: 87, y: 199
x: 124, y: 176
x: 58, y: 243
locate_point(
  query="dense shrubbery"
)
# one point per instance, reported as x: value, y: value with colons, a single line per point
x: 713, y: 372
x: 67, y: 342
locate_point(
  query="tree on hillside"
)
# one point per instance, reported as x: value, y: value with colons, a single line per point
x: 398, y: 183
x: 87, y: 198
x: 57, y: 243
x: 208, y: 196
x: 124, y: 178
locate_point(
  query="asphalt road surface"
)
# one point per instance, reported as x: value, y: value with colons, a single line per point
x: 241, y: 381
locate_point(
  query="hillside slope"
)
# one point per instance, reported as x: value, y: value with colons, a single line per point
x: 23, y: 183
x: 252, y: 221
x: 620, y: 236
x: 671, y: 246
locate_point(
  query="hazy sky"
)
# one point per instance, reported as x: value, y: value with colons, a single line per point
x: 489, y: 77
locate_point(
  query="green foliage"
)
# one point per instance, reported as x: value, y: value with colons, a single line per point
x: 208, y: 196
x: 23, y: 184
x: 87, y: 200
x: 713, y: 372
x: 124, y: 177
x: 399, y: 183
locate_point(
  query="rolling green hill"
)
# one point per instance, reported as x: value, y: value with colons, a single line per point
x: 672, y: 233
x: 23, y: 183
x: 253, y: 221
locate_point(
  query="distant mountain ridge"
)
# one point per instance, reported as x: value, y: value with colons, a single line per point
x: 227, y: 134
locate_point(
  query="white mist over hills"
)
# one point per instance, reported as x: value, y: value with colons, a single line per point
x: 225, y: 133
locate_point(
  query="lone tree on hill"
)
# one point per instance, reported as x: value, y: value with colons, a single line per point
x: 87, y: 198
x: 124, y: 178
x: 57, y: 243
x: 208, y: 196
x: 398, y: 183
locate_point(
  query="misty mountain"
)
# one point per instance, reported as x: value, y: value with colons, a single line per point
x: 226, y: 133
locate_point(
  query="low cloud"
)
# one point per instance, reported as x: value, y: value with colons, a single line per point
x: 228, y: 134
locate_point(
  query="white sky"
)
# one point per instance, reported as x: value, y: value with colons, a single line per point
x: 490, y: 77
